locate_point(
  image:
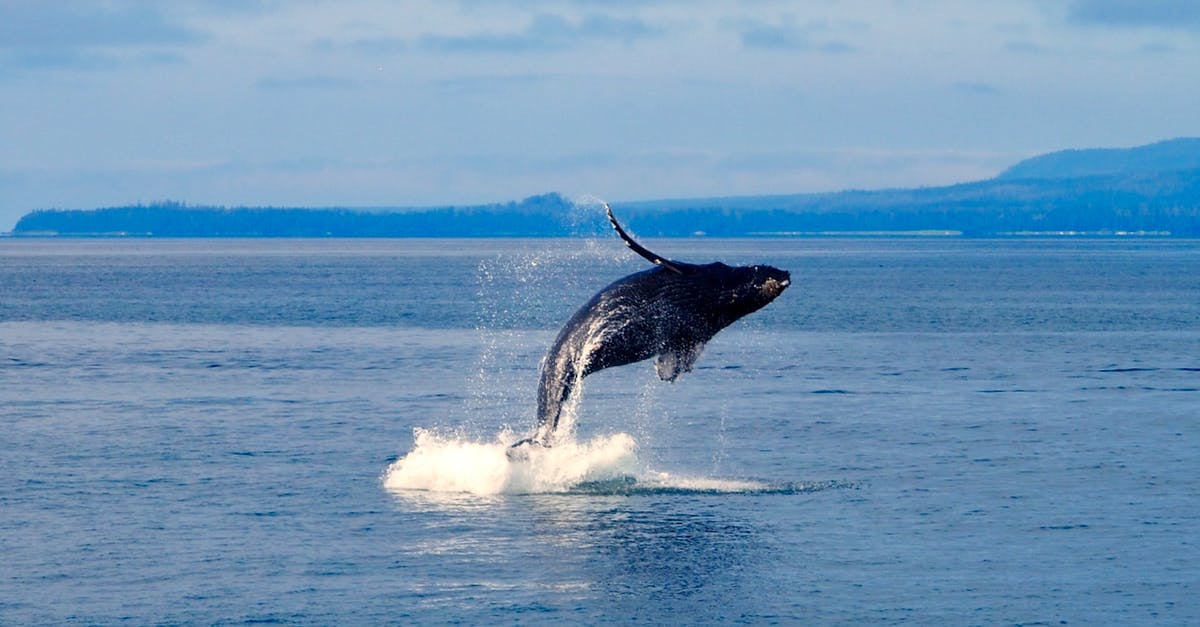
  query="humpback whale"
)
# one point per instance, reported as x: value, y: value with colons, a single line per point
x: 669, y: 311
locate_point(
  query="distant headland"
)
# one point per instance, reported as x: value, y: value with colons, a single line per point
x: 1147, y: 190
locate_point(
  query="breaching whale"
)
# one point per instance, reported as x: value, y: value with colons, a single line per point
x: 669, y: 311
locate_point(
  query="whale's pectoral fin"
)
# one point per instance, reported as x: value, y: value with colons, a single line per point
x: 519, y: 450
x: 672, y: 363
x: 638, y: 248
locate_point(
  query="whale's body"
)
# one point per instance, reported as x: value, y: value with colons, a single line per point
x: 669, y: 311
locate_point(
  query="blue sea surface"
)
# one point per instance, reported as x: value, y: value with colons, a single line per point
x: 934, y: 431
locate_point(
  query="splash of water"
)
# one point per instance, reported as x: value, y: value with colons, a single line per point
x: 452, y: 463
x: 567, y: 372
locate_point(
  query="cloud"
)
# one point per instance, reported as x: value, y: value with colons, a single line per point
x: 371, y: 46
x: 492, y: 83
x: 761, y: 35
x: 975, y: 88
x: 1183, y: 14
x: 316, y: 83
x: 787, y: 35
x: 54, y: 24
x: 238, y: 7
x: 78, y: 35
x: 50, y: 58
x: 546, y: 32
x: 1025, y: 46
x: 1157, y: 48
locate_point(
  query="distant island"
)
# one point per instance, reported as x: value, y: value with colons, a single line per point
x: 1147, y: 190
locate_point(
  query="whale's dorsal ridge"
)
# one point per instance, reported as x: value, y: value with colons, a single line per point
x: 638, y: 248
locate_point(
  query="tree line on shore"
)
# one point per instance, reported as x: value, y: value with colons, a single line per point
x: 1153, y: 189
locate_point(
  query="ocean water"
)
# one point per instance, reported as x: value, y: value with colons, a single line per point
x: 930, y: 431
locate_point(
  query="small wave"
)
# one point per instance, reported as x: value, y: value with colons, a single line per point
x: 604, y: 465
x: 631, y: 486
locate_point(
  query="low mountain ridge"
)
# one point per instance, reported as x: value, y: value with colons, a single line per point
x: 1171, y: 155
x: 1153, y: 189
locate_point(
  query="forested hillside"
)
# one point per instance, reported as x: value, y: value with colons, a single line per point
x: 1151, y: 189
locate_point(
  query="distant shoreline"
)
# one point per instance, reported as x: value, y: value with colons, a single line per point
x: 761, y: 236
x: 1148, y: 191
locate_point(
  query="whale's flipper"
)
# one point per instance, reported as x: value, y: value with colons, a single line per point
x: 638, y: 248
x: 673, y: 363
x: 519, y: 450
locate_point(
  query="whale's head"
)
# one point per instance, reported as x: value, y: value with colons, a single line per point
x: 746, y: 289
x: 770, y: 281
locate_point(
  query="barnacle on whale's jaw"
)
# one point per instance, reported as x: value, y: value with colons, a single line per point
x: 774, y: 286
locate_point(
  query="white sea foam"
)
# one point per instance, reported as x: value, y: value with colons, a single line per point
x: 669, y: 481
x: 453, y: 463
x: 608, y: 464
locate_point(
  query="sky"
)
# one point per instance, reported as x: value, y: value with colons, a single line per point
x: 410, y: 103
